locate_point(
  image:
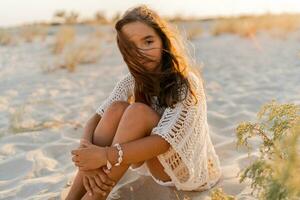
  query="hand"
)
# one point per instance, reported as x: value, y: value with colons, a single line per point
x: 82, y: 142
x: 96, y: 181
x: 89, y: 156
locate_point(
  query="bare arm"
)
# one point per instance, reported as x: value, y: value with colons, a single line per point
x: 90, y: 127
x: 139, y: 150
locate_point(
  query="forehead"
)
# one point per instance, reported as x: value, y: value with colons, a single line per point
x: 137, y: 30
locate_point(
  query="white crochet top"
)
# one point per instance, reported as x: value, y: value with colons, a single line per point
x: 191, y: 161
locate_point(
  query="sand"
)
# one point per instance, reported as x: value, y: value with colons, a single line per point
x: 43, y: 113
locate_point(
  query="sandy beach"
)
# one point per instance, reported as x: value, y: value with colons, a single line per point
x: 43, y: 108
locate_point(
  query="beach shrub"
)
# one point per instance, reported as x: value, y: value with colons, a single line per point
x: 30, y: 32
x: 64, y: 36
x: 194, y: 32
x: 5, y: 37
x: 218, y: 194
x: 64, y: 17
x: 275, y: 175
x: 86, y: 52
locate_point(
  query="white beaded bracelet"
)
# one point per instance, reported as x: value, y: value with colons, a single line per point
x: 108, y: 164
x: 120, y: 158
x: 120, y: 152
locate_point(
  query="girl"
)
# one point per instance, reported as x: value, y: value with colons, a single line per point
x: 155, y: 119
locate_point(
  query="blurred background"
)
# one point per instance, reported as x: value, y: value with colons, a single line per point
x: 15, y: 12
x: 59, y: 61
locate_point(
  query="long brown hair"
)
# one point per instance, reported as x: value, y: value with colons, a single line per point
x: 170, y: 84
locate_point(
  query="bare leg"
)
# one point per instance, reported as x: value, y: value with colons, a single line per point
x: 103, y: 136
x: 107, y: 127
x: 157, y: 170
x: 136, y: 122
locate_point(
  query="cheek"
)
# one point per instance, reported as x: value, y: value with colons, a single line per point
x: 156, y: 53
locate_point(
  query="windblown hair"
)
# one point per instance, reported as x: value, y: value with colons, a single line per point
x: 170, y: 84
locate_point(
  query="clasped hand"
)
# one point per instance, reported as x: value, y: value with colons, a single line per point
x: 89, y: 156
x: 90, y: 159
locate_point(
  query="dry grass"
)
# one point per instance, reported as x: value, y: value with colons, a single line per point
x: 5, y: 38
x: 75, y: 52
x: 179, y: 18
x: 194, y: 32
x: 63, y: 17
x: 219, y: 194
x: 22, y: 120
x: 87, y: 52
x: 100, y: 18
x: 104, y: 35
x: 64, y: 36
x: 248, y: 26
x: 29, y: 32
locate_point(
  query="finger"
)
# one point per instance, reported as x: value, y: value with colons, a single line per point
x: 82, y: 145
x: 102, y: 185
x: 85, y: 142
x: 94, y: 186
x: 92, y: 182
x: 105, y: 179
x: 87, y: 186
x: 109, y: 181
x: 83, y: 139
x: 78, y: 164
x: 83, y: 168
x: 75, y: 152
x: 75, y: 159
x: 107, y: 171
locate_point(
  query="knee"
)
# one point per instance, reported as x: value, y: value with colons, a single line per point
x: 118, y: 106
x: 142, y: 110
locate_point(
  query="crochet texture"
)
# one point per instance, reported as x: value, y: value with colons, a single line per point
x: 191, y: 161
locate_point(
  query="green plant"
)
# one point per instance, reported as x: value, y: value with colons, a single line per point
x: 275, y: 174
x: 218, y: 194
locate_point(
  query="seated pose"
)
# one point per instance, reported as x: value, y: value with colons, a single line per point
x: 155, y: 119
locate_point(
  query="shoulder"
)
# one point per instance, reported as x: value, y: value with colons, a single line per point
x: 194, y: 79
x: 127, y: 79
x: 197, y: 87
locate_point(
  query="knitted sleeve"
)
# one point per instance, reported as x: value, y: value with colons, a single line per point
x: 178, y: 126
x: 122, y: 90
x: 180, y: 119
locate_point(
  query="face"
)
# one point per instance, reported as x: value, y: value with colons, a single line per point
x: 147, y: 40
